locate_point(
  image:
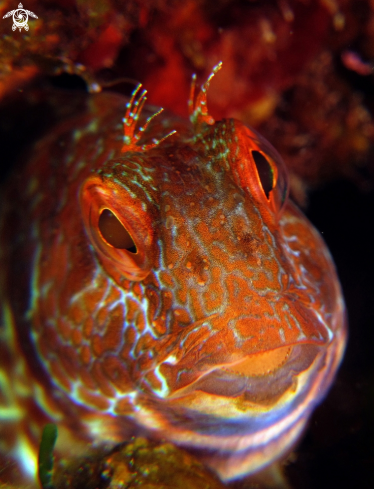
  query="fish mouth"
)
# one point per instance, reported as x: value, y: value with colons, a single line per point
x: 259, y: 352
x: 262, y: 378
x: 260, y: 363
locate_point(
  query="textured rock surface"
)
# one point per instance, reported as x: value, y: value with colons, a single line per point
x: 139, y: 464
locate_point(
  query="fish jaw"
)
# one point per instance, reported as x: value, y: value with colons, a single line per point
x: 250, y: 435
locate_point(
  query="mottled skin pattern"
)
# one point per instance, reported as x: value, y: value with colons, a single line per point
x: 221, y: 333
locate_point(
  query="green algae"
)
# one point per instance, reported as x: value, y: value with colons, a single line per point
x: 45, y: 459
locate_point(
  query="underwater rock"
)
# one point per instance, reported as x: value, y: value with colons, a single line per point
x: 138, y: 464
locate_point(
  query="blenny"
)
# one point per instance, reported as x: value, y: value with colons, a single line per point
x: 162, y: 283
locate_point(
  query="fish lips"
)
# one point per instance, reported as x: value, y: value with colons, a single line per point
x: 245, y: 347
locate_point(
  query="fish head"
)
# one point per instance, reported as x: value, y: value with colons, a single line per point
x: 234, y: 287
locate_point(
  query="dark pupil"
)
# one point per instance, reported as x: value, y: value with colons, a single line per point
x: 265, y: 172
x: 114, y: 232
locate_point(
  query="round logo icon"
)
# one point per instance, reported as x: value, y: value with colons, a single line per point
x: 20, y: 18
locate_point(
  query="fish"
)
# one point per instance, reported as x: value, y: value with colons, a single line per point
x: 157, y: 280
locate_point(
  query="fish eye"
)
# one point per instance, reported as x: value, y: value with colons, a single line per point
x: 114, y: 233
x: 261, y: 170
x: 119, y: 229
x: 265, y: 172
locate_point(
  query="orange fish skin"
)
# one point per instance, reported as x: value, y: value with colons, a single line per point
x: 222, y: 331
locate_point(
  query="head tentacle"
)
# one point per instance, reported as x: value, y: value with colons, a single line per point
x: 198, y: 109
x: 133, y: 111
